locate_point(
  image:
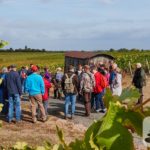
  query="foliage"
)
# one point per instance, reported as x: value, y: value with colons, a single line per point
x: 3, y: 43
x: 109, y: 133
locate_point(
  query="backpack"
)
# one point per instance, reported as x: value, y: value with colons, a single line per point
x: 104, y: 82
x: 88, y: 86
x: 23, y: 74
x: 115, y: 82
x: 69, y: 86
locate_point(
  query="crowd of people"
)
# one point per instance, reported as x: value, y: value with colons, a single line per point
x: 87, y: 83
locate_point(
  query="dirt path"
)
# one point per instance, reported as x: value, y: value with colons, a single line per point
x: 35, y: 134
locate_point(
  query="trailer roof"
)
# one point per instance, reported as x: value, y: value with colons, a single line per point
x: 85, y: 55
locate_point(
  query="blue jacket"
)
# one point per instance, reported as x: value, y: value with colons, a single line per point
x: 34, y: 84
x: 13, y: 83
x: 112, y: 77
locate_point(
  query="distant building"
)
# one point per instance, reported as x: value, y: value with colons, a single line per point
x: 91, y: 58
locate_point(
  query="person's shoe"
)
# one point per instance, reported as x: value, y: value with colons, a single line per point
x: 93, y: 110
x: 66, y: 117
x: 10, y: 121
x: 98, y: 110
x: 87, y: 115
x: 45, y: 119
x: 103, y: 110
x: 72, y: 117
x: 18, y: 122
x: 34, y: 120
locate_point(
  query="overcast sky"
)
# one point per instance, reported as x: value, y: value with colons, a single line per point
x: 75, y: 24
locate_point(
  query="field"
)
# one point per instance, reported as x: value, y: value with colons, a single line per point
x: 54, y: 59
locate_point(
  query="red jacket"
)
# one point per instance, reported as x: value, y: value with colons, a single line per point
x: 98, y: 79
x: 47, y: 87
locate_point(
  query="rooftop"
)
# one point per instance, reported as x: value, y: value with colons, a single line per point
x: 85, y: 55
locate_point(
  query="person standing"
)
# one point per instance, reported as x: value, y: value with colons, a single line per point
x: 45, y: 97
x: 86, y: 88
x: 139, y: 81
x: 100, y: 85
x: 3, y: 91
x: 34, y: 85
x: 23, y: 75
x: 69, y: 86
x: 117, y: 83
x: 112, y: 78
x: 14, y: 89
x: 47, y: 73
x: 79, y: 74
x: 57, y: 84
x: 2, y: 79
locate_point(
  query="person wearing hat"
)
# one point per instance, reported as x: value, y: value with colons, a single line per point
x: 69, y: 87
x: 14, y: 89
x: 34, y: 85
x: 86, y: 88
x: 57, y: 80
x: 139, y: 81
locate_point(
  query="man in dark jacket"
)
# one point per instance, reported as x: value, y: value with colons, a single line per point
x: 13, y: 84
x: 139, y: 80
x: 69, y: 86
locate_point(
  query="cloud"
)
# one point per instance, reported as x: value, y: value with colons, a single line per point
x: 63, y: 35
x: 107, y: 1
x: 7, y: 1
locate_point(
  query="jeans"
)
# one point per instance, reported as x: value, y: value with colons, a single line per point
x: 93, y: 100
x: 14, y: 103
x: 70, y: 99
x: 99, y: 100
x: 23, y: 85
x: 45, y: 104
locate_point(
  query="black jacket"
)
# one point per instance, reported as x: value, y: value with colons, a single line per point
x: 13, y: 83
x: 139, y: 79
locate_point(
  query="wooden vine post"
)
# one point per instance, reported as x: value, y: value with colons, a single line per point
x: 130, y: 68
x: 147, y: 63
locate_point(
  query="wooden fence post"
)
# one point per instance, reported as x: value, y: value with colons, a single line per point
x: 147, y: 63
x: 130, y: 69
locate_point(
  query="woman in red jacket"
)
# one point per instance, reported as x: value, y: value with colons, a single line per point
x: 45, y: 97
x: 100, y: 85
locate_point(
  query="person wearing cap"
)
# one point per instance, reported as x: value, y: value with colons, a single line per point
x: 139, y: 81
x: 69, y: 87
x: 14, y: 89
x: 34, y: 85
x: 86, y: 88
